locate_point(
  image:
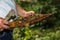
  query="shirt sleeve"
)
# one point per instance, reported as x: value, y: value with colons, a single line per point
x: 6, y: 6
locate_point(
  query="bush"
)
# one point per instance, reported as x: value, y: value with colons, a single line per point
x: 48, y: 29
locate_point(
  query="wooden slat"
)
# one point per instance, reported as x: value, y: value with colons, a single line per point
x: 28, y: 20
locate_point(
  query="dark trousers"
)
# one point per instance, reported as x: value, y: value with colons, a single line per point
x: 6, y: 35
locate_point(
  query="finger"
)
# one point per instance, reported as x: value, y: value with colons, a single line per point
x: 1, y: 22
x: 5, y: 27
x: 31, y: 13
x: 1, y: 29
x: 5, y: 22
x: 0, y: 26
x: 25, y: 15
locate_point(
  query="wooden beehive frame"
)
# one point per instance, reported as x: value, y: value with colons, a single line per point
x: 29, y: 20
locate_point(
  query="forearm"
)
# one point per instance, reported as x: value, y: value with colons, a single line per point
x: 20, y: 9
x: 22, y: 12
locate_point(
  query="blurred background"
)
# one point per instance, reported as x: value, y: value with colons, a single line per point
x: 48, y: 29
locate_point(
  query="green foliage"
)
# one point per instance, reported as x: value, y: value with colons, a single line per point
x: 48, y: 29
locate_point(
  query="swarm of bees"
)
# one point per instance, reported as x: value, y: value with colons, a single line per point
x: 29, y: 20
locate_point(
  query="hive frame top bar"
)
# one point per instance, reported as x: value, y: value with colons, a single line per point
x: 29, y: 20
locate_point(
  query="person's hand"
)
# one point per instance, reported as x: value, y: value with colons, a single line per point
x: 22, y: 12
x: 29, y: 13
x: 2, y: 24
x: 26, y: 14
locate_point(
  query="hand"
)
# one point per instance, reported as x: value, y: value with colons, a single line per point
x: 2, y: 24
x: 22, y: 12
x: 29, y: 13
x: 26, y: 14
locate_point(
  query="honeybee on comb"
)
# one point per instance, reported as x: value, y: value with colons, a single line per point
x: 28, y: 20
